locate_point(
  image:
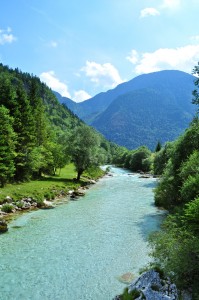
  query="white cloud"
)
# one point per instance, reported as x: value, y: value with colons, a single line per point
x: 166, y: 4
x: 149, y: 11
x: 80, y: 96
x: 133, y: 57
x: 182, y: 58
x: 6, y: 37
x: 54, y: 83
x: 105, y: 75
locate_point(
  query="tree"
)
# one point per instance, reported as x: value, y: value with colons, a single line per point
x: 158, y: 147
x: 138, y: 157
x: 161, y: 158
x: 196, y: 92
x: 83, y: 149
x: 7, y: 146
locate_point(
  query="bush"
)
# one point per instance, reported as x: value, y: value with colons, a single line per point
x: 39, y: 199
x: 19, y: 204
x: 155, y: 287
x: 47, y: 196
x: 130, y: 296
x: 7, y: 208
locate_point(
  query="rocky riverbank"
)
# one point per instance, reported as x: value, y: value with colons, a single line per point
x: 10, y: 208
x: 151, y: 286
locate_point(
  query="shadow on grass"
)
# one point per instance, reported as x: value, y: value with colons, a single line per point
x: 62, y: 180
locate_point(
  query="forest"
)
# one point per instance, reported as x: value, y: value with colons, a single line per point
x: 38, y: 134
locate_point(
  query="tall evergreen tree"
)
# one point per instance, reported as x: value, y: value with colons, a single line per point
x: 7, y: 146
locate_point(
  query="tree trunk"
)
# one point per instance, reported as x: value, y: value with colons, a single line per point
x: 79, y: 173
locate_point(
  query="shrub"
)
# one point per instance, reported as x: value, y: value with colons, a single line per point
x: 130, y: 296
x: 47, y: 195
x: 155, y: 287
x: 39, y: 199
x: 7, y: 208
x: 19, y: 204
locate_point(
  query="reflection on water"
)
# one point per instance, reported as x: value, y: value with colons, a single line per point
x: 80, y: 249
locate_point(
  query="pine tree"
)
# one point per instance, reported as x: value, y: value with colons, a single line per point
x: 7, y: 146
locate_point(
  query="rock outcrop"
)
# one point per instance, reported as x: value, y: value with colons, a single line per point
x: 152, y: 287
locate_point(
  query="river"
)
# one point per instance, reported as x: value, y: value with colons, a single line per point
x: 78, y: 250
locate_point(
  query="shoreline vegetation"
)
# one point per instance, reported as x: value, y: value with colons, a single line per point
x: 19, y: 198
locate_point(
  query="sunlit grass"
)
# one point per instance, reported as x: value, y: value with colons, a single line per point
x: 60, y: 182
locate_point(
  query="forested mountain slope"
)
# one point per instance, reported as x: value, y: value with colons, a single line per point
x: 144, y: 117
x: 34, y: 128
x: 148, y: 108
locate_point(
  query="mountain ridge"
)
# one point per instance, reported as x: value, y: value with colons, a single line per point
x: 174, y: 91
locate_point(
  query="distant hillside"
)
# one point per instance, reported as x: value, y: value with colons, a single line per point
x: 148, y: 108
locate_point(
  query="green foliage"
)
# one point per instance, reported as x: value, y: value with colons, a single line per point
x: 158, y: 147
x: 195, y: 92
x: 53, y: 185
x: 177, y: 250
x: 176, y: 246
x: 93, y: 172
x: 177, y: 185
x: 155, y: 287
x: 19, y: 204
x: 38, y: 129
x: 7, y: 146
x: 191, y: 215
x: 7, y: 208
x: 39, y: 199
x: 84, y: 149
x: 190, y: 188
x: 136, y: 160
x: 130, y: 295
x: 161, y: 158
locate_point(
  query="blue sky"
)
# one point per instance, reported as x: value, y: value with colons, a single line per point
x: 83, y: 47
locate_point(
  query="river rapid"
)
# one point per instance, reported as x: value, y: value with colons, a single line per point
x: 79, y: 249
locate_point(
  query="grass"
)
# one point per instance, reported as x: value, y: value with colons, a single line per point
x: 55, y: 185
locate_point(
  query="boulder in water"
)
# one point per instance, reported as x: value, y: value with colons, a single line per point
x: 3, y: 226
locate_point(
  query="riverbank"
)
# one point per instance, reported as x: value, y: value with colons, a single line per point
x: 43, y: 194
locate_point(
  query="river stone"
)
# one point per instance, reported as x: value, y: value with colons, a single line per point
x: 153, y: 287
x: 126, y: 278
x: 47, y: 204
x: 3, y: 226
x: 8, y: 199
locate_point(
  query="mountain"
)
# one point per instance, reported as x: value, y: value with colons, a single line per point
x: 148, y: 108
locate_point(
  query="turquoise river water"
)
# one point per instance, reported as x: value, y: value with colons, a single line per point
x: 79, y: 249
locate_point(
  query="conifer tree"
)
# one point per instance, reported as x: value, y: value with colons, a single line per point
x: 7, y: 146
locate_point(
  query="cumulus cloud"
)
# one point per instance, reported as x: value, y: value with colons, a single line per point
x: 105, y: 75
x: 149, y: 11
x: 166, y: 4
x: 54, y: 83
x: 80, y: 96
x: 6, y: 37
x: 133, y: 57
x: 182, y: 58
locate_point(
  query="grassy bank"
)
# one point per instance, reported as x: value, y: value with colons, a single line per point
x: 49, y: 186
